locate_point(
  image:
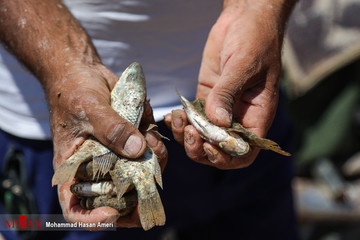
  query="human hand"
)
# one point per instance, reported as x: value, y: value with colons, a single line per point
x: 239, y: 78
x: 61, y: 55
x: 80, y: 107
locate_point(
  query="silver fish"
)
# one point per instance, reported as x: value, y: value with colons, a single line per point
x: 235, y: 146
x: 89, y: 189
x: 235, y: 141
x: 125, y: 206
x: 127, y: 99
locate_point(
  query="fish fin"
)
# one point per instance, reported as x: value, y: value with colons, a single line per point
x: 157, y: 173
x: 122, y: 184
x: 160, y: 135
x: 150, y: 154
x: 103, y: 163
x: 178, y: 93
x: 201, y: 126
x: 199, y: 105
x: 183, y: 100
x: 256, y: 141
x: 153, y: 127
x: 277, y: 148
x: 151, y: 211
x: 267, y: 144
x: 69, y: 168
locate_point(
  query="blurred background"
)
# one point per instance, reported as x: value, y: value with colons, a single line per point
x: 322, y: 86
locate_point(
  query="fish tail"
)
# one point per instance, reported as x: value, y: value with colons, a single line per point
x: 183, y: 100
x: 270, y: 145
x: 151, y: 211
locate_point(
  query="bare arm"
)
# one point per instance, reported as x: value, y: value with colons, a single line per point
x: 51, y: 43
x: 239, y: 76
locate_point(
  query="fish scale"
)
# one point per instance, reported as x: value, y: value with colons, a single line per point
x: 127, y: 99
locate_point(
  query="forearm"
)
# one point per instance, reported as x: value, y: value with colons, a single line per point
x: 283, y: 7
x: 45, y: 37
x: 274, y: 12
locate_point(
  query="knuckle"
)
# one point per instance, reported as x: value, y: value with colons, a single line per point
x: 116, y: 133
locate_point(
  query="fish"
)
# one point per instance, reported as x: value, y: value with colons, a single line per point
x: 235, y: 141
x: 127, y: 99
x: 125, y: 205
x: 93, y: 189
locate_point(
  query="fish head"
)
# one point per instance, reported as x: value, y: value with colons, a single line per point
x: 133, y: 74
x: 235, y: 147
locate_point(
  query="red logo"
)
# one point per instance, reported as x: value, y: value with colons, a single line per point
x: 23, y: 223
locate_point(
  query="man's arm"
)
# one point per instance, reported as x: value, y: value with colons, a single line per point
x: 50, y: 42
x: 47, y: 39
x: 239, y: 76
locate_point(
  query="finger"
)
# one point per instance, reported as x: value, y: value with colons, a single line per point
x: 178, y: 123
x: 73, y: 212
x: 167, y: 120
x: 236, y: 75
x: 193, y: 144
x: 117, y: 133
x: 221, y: 160
x: 154, y: 141
x: 219, y: 104
x: 216, y: 157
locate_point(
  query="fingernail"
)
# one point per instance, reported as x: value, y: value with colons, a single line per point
x: 189, y: 138
x: 133, y: 145
x: 167, y: 118
x: 223, y: 115
x: 211, y: 154
x: 178, y: 122
x: 151, y: 139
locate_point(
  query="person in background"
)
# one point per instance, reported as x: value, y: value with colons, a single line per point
x: 76, y: 50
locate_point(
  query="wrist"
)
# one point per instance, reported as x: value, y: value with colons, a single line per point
x: 273, y: 12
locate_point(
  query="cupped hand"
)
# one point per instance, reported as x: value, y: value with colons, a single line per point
x: 80, y: 107
x: 239, y: 78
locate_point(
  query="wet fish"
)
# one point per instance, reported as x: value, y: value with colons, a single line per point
x: 124, y: 206
x: 93, y: 189
x: 235, y: 141
x: 127, y: 99
x: 85, y: 173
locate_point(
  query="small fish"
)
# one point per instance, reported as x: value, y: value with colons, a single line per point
x: 124, y: 206
x: 127, y: 99
x: 89, y: 189
x: 235, y: 141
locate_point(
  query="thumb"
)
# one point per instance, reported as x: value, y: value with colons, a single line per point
x: 219, y: 104
x: 119, y: 134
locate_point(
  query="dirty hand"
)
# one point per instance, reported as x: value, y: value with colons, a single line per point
x: 239, y: 78
x: 61, y: 55
x: 80, y: 107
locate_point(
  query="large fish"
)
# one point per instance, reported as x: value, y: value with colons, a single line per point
x: 127, y: 99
